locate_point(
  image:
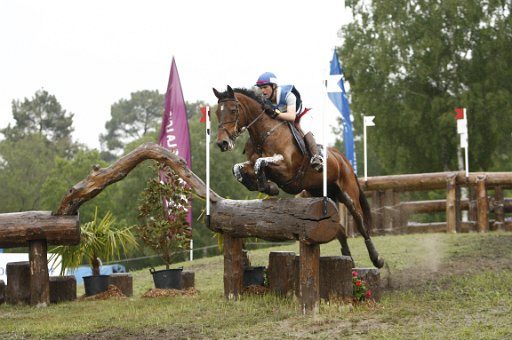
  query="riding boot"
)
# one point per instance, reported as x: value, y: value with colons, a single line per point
x: 316, y: 157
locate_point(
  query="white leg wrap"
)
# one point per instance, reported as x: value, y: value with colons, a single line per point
x: 237, y: 170
x: 268, y: 160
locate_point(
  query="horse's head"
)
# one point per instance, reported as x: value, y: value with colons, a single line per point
x: 228, y: 115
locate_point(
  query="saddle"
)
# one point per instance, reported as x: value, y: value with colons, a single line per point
x: 298, y: 134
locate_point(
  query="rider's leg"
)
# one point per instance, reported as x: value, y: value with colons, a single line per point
x: 314, y: 150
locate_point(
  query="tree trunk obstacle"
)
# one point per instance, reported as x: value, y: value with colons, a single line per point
x: 35, y: 229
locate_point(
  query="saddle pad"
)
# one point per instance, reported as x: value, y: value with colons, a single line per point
x: 299, y: 139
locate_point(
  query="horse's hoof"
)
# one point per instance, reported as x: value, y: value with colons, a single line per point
x: 271, y: 189
x: 379, y: 263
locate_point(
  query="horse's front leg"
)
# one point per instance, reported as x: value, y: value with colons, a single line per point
x: 260, y: 165
x: 244, y: 173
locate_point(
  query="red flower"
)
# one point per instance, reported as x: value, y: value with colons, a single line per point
x: 358, y: 283
x: 354, y: 273
x: 369, y: 294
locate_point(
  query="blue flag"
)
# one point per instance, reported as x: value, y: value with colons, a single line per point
x: 337, y: 94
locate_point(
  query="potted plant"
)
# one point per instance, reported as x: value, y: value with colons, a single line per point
x: 164, y: 228
x: 99, y: 239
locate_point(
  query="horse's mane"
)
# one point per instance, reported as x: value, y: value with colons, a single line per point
x: 249, y: 93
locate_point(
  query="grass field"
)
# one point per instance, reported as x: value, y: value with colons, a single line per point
x: 437, y: 286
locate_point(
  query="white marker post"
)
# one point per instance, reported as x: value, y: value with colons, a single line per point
x: 208, y: 166
x: 367, y: 121
x: 324, y: 152
x: 462, y: 130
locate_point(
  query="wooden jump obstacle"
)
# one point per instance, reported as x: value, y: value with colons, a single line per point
x: 274, y: 219
x: 300, y: 219
x: 37, y: 230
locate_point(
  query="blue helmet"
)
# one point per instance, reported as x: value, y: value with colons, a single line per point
x: 266, y: 78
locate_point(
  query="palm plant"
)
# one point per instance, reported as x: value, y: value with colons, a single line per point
x: 99, y: 239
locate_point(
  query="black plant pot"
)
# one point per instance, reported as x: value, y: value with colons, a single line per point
x: 95, y: 284
x: 254, y: 276
x: 167, y: 278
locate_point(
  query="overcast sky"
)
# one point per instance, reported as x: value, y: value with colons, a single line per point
x: 90, y: 54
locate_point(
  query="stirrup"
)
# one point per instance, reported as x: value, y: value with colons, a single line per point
x: 317, y: 162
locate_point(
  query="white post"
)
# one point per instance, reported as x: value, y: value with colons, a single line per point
x: 324, y: 150
x: 365, y: 159
x: 466, y: 149
x: 208, y: 161
x: 367, y: 121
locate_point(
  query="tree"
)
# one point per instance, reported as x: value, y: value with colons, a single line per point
x: 132, y: 119
x: 68, y: 172
x: 411, y: 62
x: 42, y: 115
x: 24, y: 166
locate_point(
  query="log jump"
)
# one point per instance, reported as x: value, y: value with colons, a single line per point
x: 274, y: 219
x: 35, y: 229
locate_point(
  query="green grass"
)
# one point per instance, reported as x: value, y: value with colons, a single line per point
x: 439, y: 286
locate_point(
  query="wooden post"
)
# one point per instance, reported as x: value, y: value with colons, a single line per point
x: 309, y: 277
x: 499, y: 211
x: 281, y: 272
x: 377, y: 210
x: 233, y: 267
x: 472, y: 210
x: 189, y: 279
x: 123, y: 281
x: 388, y: 210
x: 18, y: 283
x: 39, y: 278
x: 2, y: 292
x: 62, y: 288
x: 345, y: 220
x: 458, y: 208
x: 335, y: 277
x: 482, y: 205
x: 451, y: 203
x: 397, y: 211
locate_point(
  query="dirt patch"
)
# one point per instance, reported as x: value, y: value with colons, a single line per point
x: 444, y: 258
x: 158, y: 292
x: 111, y: 292
x: 169, y: 332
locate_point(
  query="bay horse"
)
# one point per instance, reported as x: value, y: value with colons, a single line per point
x: 274, y: 160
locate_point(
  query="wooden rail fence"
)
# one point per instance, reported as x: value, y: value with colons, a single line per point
x: 391, y: 214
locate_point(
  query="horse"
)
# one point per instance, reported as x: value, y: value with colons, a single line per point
x: 275, y: 161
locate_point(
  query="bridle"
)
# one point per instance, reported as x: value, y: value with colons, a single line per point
x: 238, y: 132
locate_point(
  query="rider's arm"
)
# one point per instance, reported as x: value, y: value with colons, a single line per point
x: 291, y: 111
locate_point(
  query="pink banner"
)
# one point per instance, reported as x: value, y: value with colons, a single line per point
x: 174, y: 133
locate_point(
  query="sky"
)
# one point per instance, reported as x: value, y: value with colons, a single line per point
x: 90, y: 54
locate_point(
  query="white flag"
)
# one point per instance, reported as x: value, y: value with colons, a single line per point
x: 368, y: 120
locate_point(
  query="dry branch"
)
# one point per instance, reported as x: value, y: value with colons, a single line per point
x: 100, y: 178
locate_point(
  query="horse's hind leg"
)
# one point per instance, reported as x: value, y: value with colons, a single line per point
x: 357, y: 213
x: 345, y: 250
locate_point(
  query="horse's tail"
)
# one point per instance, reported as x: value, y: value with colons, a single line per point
x: 367, y: 213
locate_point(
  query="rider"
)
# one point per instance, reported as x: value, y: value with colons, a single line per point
x: 287, y: 105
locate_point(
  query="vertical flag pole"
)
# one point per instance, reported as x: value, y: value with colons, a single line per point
x: 466, y: 149
x: 324, y: 151
x: 365, y: 157
x: 367, y: 121
x: 208, y: 167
